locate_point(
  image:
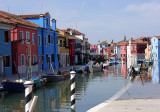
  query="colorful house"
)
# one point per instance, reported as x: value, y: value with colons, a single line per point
x: 93, y: 49
x: 136, y: 50
x: 123, y: 50
x: 5, y: 45
x: 72, y: 50
x: 155, y: 42
x: 24, y: 44
x: 63, y: 42
x: 47, y: 40
x: 148, y: 52
x: 80, y: 45
x: 102, y: 48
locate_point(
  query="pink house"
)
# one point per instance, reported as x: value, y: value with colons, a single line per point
x: 148, y: 52
x: 123, y: 51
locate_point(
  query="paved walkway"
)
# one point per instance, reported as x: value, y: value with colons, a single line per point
x: 139, y: 98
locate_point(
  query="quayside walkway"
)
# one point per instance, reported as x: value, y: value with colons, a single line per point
x: 140, y: 97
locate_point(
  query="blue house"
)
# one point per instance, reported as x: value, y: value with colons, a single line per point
x: 155, y: 48
x: 5, y: 48
x: 47, y: 40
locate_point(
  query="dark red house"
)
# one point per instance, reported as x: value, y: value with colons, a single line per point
x: 24, y: 44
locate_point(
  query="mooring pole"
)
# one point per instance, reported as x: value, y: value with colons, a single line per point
x: 72, y: 79
x: 28, y: 95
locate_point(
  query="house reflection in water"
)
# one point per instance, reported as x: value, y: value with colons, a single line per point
x: 156, y: 72
x: 124, y: 69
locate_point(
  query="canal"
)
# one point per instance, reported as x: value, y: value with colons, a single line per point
x: 91, y: 90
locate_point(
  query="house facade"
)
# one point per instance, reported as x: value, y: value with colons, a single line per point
x: 47, y: 40
x: 63, y: 42
x: 80, y: 45
x: 72, y: 50
x: 155, y: 42
x: 5, y: 47
x: 23, y: 44
x: 148, y: 52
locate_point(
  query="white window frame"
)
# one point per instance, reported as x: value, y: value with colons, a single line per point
x: 39, y: 40
x: 27, y: 38
x: 33, y: 38
x: 22, y: 63
x: 22, y: 38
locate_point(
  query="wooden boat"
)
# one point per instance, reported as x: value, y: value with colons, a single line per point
x: 56, y: 77
x: 95, y: 68
x: 18, y: 85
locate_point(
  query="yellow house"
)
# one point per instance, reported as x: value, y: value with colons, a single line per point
x: 63, y: 43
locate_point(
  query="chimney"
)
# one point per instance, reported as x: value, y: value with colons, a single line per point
x: 53, y: 24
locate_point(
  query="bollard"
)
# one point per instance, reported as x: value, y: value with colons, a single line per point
x: 72, y: 79
x: 28, y: 95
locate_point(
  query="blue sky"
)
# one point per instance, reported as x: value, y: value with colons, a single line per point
x: 98, y: 19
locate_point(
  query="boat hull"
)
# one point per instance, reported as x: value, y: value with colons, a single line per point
x: 13, y: 86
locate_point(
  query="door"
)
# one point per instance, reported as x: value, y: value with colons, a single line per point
x: 1, y: 65
x: 49, y: 62
x: 40, y: 63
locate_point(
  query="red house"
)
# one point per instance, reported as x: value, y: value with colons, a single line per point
x: 24, y: 44
x: 72, y: 50
x: 139, y: 45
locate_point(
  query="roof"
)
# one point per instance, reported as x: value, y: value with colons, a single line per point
x: 6, y: 17
x: 63, y: 30
x: 74, y: 38
x: 34, y: 15
x: 104, y: 42
x: 74, y: 31
x: 59, y: 35
x: 141, y: 41
x: 158, y: 37
x: 122, y: 42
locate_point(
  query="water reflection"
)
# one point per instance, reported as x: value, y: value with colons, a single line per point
x: 91, y: 89
x: 156, y: 72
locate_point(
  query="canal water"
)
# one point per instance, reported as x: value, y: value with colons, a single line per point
x: 91, y: 90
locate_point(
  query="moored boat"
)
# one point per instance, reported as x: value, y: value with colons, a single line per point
x: 18, y: 85
x: 55, y: 78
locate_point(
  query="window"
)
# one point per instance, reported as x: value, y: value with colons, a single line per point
x: 154, y: 39
x: 39, y: 40
x: 6, y: 36
x: 21, y: 36
x: 64, y: 43
x: 46, y: 41
x: 106, y: 45
x: 22, y: 59
x: 121, y: 48
x: 156, y: 46
x: 49, y: 41
x: 52, y: 57
x: 135, y: 48
x: 121, y: 55
x: 124, y: 55
x: 156, y: 54
x: 47, y: 21
x: 60, y: 43
x: 34, y: 59
x: 47, y: 58
x: 33, y: 38
x: 7, y: 61
x: 131, y: 48
x: 27, y: 38
x: 124, y: 48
